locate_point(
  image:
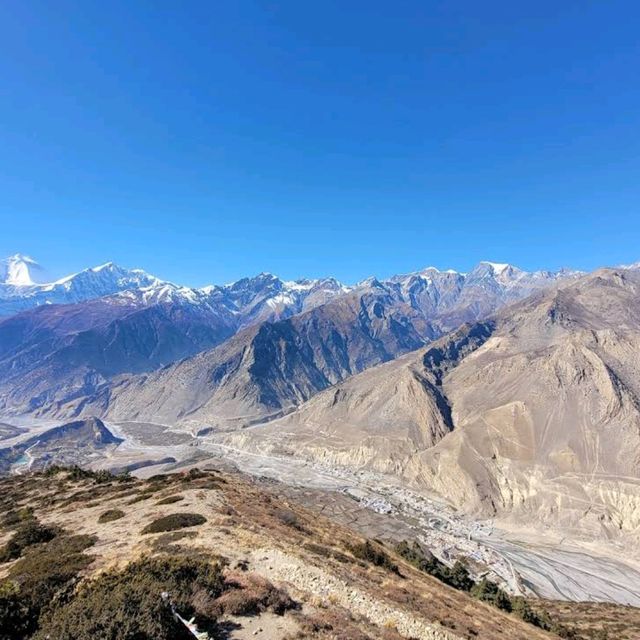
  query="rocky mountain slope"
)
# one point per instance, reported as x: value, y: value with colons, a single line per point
x: 271, y: 367
x: 70, y: 350
x: 57, y: 358
x: 534, y: 414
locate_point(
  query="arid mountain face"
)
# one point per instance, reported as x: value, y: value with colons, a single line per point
x: 67, y: 352
x: 272, y: 367
x: 535, y: 413
x: 295, y: 339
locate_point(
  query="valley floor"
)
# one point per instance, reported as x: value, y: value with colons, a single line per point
x: 538, y: 563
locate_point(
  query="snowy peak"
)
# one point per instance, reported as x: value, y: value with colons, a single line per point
x: 20, y: 289
x: 108, y: 277
x: 266, y: 297
x: 19, y: 270
x: 498, y: 267
x: 501, y: 272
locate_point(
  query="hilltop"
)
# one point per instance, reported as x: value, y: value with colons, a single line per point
x: 78, y: 545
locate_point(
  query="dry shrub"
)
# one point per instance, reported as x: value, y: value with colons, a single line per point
x: 29, y: 533
x: 289, y: 518
x: 170, y: 499
x: 175, y: 521
x: 111, y: 515
x: 250, y: 594
x: 331, y: 624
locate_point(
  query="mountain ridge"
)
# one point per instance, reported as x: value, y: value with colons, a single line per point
x: 532, y: 416
x: 319, y: 329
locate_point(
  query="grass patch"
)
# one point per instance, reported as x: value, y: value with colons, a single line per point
x: 174, y: 522
x: 111, y: 515
x: 327, y: 552
x: 169, y: 543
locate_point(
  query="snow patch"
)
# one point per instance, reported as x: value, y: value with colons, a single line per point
x: 17, y: 270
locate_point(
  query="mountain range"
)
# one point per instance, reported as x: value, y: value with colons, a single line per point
x: 531, y: 414
x: 291, y: 339
x: 512, y: 394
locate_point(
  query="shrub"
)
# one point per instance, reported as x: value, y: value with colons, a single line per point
x: 288, y: 517
x: 170, y: 499
x: 29, y: 533
x: 175, y: 521
x: 250, y: 595
x: 44, y: 576
x: 111, y: 515
x: 194, y: 474
x: 523, y: 610
x: 128, y: 603
x: 159, y: 477
x: 76, y: 472
x: 13, y: 611
x: 14, y: 517
x: 424, y: 560
x: 459, y: 577
x: 372, y: 553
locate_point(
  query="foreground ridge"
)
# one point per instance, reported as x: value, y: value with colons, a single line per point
x: 293, y: 572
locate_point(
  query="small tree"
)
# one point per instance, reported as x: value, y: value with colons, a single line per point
x: 459, y: 577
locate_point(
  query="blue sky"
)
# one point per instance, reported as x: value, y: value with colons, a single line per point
x: 206, y: 141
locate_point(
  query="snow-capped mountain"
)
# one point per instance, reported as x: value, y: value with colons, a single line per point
x: 307, y: 334
x: 19, y: 270
x: 19, y: 291
x: 267, y: 297
x: 450, y: 297
x: 263, y: 297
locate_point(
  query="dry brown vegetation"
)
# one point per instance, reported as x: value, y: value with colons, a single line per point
x: 275, y: 557
x: 595, y: 621
x: 110, y: 515
x: 170, y: 499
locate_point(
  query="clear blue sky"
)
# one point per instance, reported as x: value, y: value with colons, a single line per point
x: 208, y: 140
